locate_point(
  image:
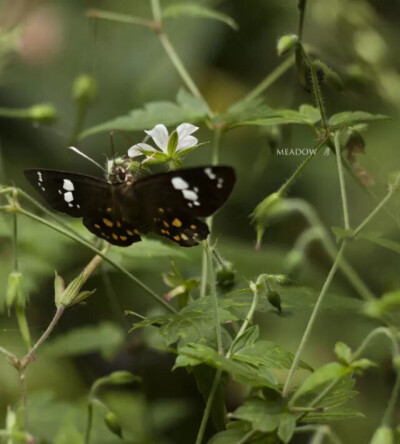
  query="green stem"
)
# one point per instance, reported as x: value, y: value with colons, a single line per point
x: 388, y: 417
x: 156, y: 9
x: 381, y: 204
x: 122, y: 18
x: 78, y: 124
x: 204, y: 274
x: 15, y: 241
x: 283, y: 189
x: 207, y: 410
x: 313, y: 317
x: 89, y: 423
x: 270, y: 79
x: 10, y: 356
x: 342, y: 182
x: 28, y: 357
x: 302, y: 9
x: 106, y: 258
x: 376, y: 332
x: 247, y: 436
x: 317, y: 89
x: 22, y: 113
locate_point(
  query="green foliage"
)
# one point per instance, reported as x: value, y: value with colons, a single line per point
x: 186, y: 109
x: 195, y: 10
x: 349, y: 118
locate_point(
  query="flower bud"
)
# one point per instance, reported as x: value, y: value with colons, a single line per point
x: 16, y: 294
x: 122, y: 377
x: 84, y: 89
x: 112, y: 422
x: 226, y: 278
x: 275, y: 300
x: 72, y: 294
x: 383, y: 435
x: 43, y: 113
x: 172, y: 143
x: 286, y: 43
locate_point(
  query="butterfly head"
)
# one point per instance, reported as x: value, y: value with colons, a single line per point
x: 118, y: 172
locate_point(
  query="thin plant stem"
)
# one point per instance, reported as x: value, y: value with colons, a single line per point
x: 313, y: 317
x: 283, y: 189
x: 15, y: 241
x: 9, y: 355
x: 106, y: 258
x: 317, y: 89
x: 302, y: 10
x: 118, y: 17
x: 372, y: 334
x: 28, y: 357
x: 247, y: 436
x: 24, y: 398
x: 271, y: 78
x: 376, y: 210
x: 204, y: 274
x: 342, y: 182
x: 218, y: 373
x: 388, y: 417
x: 89, y: 423
x: 208, y: 407
x: 156, y: 9
x: 214, y: 297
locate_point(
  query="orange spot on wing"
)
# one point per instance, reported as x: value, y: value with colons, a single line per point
x: 108, y: 222
x: 176, y: 223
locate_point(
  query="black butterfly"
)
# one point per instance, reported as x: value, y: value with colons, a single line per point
x: 119, y: 211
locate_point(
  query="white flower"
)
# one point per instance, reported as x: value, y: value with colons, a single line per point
x: 160, y: 136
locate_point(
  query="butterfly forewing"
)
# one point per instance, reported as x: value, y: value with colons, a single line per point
x: 200, y: 191
x: 70, y: 193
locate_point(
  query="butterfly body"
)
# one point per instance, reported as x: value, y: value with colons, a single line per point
x: 120, y: 210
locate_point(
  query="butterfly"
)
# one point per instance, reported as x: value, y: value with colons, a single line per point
x: 123, y: 208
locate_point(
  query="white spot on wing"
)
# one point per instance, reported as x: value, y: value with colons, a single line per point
x: 209, y: 173
x: 179, y: 184
x: 40, y: 176
x: 189, y: 195
x: 68, y: 185
x: 68, y: 197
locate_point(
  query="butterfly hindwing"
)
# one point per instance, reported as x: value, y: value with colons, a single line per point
x: 199, y: 191
x: 112, y: 227
x: 70, y: 193
x: 180, y: 227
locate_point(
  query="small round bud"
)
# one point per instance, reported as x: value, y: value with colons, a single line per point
x: 43, y: 113
x: 84, y: 89
x: 275, y: 300
x: 286, y: 43
x: 383, y: 435
x: 122, y: 377
x: 226, y: 278
x: 16, y: 294
x: 112, y: 422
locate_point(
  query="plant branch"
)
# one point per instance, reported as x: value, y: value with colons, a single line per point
x: 270, y: 79
x: 118, y: 17
x: 342, y: 182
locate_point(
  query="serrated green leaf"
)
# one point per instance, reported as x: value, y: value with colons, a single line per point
x: 186, y: 109
x: 105, y: 338
x: 195, y: 10
x: 263, y: 414
x: 195, y: 354
x: 349, y: 118
x: 286, y: 427
x: 321, y: 376
x: 332, y: 415
x: 247, y: 339
x: 268, y: 354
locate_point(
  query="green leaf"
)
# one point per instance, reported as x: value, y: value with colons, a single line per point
x: 343, y: 352
x: 195, y: 10
x: 263, y: 414
x: 349, y: 118
x: 268, y: 354
x: 105, y: 338
x: 332, y: 415
x: 195, y: 354
x: 186, y: 109
x: 286, y: 427
x: 248, y: 338
x: 234, y: 432
x: 321, y: 376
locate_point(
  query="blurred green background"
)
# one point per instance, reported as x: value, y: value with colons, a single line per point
x: 51, y: 44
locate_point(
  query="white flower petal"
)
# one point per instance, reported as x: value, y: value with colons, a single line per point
x: 136, y: 150
x: 187, y: 142
x: 186, y: 129
x: 160, y: 136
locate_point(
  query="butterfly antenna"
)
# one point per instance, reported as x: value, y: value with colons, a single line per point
x: 75, y: 150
